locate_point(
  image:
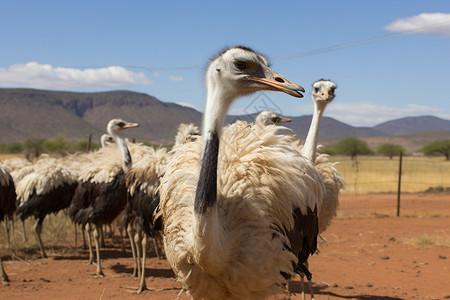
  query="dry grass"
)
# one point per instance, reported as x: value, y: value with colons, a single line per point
x: 57, y: 237
x: 373, y: 174
x: 426, y: 240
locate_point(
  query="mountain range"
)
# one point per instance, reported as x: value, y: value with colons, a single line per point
x: 26, y: 113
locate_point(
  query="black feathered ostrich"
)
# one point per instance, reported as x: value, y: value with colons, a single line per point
x: 143, y: 181
x: 101, y: 193
x: 7, y: 207
x: 48, y: 189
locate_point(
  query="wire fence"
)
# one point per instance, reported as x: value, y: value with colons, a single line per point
x: 373, y: 174
x: 372, y: 186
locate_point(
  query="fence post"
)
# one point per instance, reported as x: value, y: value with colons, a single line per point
x: 399, y: 182
x: 88, y: 146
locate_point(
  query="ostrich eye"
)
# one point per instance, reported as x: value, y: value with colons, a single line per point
x: 275, y: 120
x: 316, y: 90
x: 240, y: 65
x: 121, y: 124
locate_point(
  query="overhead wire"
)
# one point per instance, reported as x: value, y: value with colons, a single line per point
x: 309, y: 52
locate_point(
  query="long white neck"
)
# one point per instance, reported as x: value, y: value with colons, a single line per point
x: 309, y: 149
x: 217, y: 103
x: 126, y: 157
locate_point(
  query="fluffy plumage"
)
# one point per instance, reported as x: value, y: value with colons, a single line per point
x: 334, y: 182
x: 259, y: 183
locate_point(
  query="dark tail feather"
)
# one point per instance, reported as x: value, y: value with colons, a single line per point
x: 303, y: 270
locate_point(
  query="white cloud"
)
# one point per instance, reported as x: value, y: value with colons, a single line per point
x: 156, y: 75
x: 426, y: 23
x: 367, y: 114
x: 45, y: 76
x: 187, y: 104
x: 175, y: 78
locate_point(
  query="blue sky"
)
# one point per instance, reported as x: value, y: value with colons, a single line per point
x: 390, y: 59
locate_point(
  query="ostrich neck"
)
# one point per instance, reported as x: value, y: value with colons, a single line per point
x: 309, y: 149
x: 217, y: 104
x: 126, y: 157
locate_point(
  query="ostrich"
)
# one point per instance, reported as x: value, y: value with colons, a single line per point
x: 101, y: 193
x: 77, y: 163
x: 268, y: 117
x: 7, y: 208
x: 47, y: 189
x: 240, y: 215
x: 106, y: 140
x: 322, y: 94
x: 143, y: 181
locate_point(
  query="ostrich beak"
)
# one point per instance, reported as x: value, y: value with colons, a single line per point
x: 284, y: 120
x: 131, y: 125
x: 276, y: 82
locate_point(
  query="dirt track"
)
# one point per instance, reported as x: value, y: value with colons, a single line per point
x: 363, y: 257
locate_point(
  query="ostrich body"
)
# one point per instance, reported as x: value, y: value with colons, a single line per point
x: 143, y: 181
x: 7, y: 208
x: 101, y: 193
x: 240, y: 216
x: 48, y: 189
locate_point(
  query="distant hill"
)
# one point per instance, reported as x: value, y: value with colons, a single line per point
x: 37, y: 113
x: 26, y: 113
x: 411, y: 125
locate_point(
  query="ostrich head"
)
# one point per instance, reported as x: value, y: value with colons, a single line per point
x: 323, y: 91
x: 117, y: 126
x: 268, y: 117
x: 236, y: 72
x: 106, y: 139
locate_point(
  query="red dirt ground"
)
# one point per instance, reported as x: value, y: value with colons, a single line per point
x: 368, y: 254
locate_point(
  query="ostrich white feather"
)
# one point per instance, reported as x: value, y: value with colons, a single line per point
x: 261, y: 177
x: 43, y: 179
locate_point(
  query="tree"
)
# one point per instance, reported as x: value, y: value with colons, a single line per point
x: 390, y: 150
x: 352, y: 146
x: 34, y: 145
x: 58, y: 144
x: 438, y: 146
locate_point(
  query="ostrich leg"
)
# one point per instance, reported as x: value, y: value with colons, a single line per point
x: 91, y: 253
x: 122, y: 242
x: 142, y: 284
x: 38, y: 230
x: 138, y: 242
x: 97, y: 249
x: 24, y: 232
x: 4, y: 278
x: 130, y: 233
x: 83, y: 229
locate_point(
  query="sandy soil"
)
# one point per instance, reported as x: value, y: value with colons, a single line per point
x: 366, y: 255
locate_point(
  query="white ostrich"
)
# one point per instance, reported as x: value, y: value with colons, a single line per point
x: 322, y: 94
x: 240, y: 216
x: 101, y: 193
